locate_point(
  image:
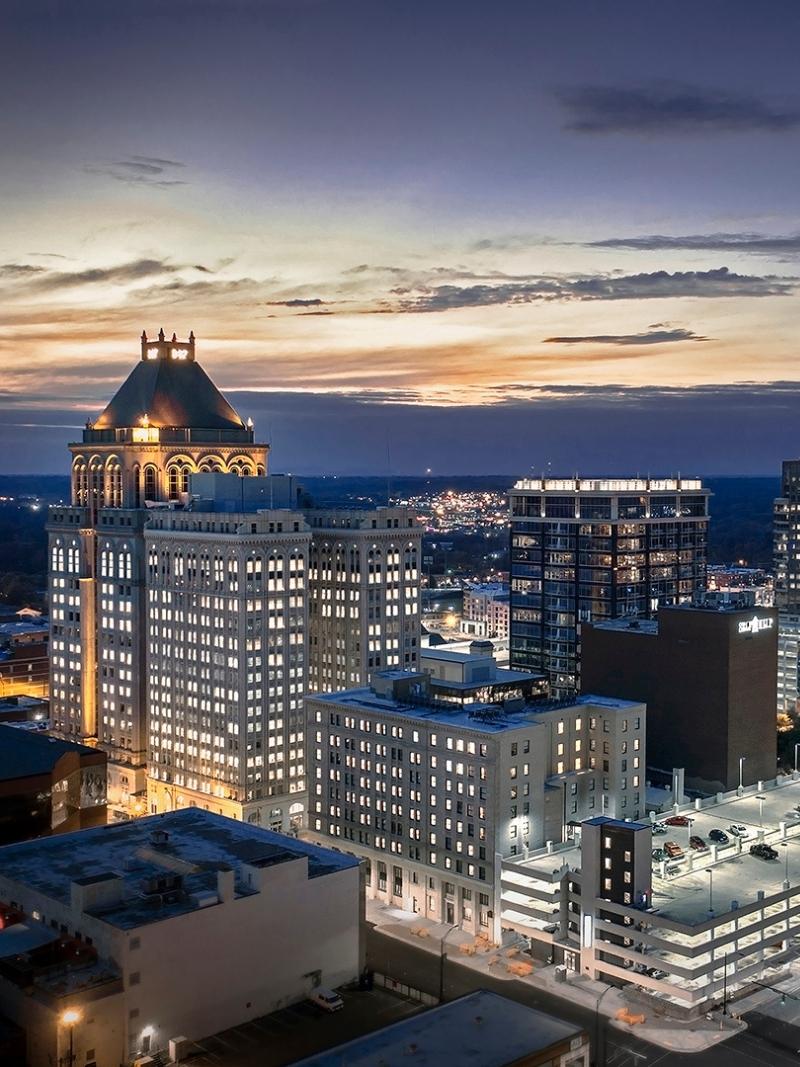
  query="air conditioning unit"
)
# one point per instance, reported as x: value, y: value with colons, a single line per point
x: 179, y: 1048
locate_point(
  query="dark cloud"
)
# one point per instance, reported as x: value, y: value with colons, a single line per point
x: 133, y: 271
x: 652, y: 337
x: 719, y: 282
x: 756, y: 243
x: 19, y: 270
x: 297, y: 303
x: 140, y: 170
x: 669, y: 109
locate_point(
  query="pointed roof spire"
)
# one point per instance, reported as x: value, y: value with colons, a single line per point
x: 144, y: 335
x: 161, y: 334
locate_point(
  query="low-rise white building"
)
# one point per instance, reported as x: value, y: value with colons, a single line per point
x: 179, y: 925
x: 433, y: 795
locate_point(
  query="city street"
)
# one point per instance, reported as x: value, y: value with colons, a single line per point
x: 418, y: 968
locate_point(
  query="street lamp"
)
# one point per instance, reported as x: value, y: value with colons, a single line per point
x: 741, y: 772
x: 761, y: 800
x: 443, y: 957
x: 796, y: 747
x: 598, y: 1059
x: 69, y: 1018
x: 785, y: 847
x: 710, y: 874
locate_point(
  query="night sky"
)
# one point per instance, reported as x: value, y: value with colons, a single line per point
x: 479, y: 237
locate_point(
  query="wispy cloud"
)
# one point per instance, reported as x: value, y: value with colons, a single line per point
x: 297, y: 303
x: 15, y: 271
x: 667, y: 108
x: 719, y: 282
x: 135, y: 270
x: 652, y: 336
x: 755, y: 243
x: 141, y: 170
x: 32, y: 279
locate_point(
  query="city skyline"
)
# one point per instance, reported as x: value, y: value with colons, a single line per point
x: 500, y: 242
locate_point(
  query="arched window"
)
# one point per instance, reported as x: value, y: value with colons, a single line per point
x: 137, y: 487
x: 79, y: 485
x: 113, y: 486
x: 174, y: 481
x: 95, y: 485
x: 57, y: 557
x: 150, y: 483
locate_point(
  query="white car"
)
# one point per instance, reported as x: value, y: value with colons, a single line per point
x: 326, y: 999
x: 738, y: 830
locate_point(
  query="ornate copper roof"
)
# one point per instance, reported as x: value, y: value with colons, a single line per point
x: 169, y: 389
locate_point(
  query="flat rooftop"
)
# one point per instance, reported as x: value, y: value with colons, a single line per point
x: 686, y: 895
x: 481, y: 1028
x: 199, y: 845
x: 478, y: 716
x: 24, y: 754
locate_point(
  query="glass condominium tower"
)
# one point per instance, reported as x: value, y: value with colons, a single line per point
x: 587, y: 549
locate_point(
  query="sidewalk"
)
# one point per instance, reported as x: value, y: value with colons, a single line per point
x: 508, y: 962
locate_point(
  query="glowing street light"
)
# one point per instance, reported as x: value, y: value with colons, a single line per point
x: 70, y: 1018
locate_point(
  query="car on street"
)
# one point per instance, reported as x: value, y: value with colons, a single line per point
x: 719, y: 837
x: 326, y: 999
x: 676, y: 820
x: 764, y: 852
x: 697, y: 843
x: 659, y: 855
x: 673, y: 849
x: 738, y: 830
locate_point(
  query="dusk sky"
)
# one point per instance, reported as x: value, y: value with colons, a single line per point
x: 496, y: 236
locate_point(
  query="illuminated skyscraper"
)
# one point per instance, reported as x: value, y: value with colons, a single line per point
x: 787, y: 585
x: 190, y: 615
x: 167, y: 421
x: 587, y: 549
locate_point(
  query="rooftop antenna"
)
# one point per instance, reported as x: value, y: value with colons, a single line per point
x: 388, y: 475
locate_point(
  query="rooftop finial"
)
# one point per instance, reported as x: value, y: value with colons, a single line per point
x: 161, y: 334
x: 144, y: 335
x: 174, y: 338
x: 191, y: 337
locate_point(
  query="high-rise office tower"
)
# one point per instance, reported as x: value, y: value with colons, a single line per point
x: 191, y: 605
x: 165, y: 422
x: 587, y: 549
x: 364, y: 603
x: 787, y: 584
x: 226, y: 663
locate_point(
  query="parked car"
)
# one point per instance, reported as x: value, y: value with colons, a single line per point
x: 659, y: 828
x: 738, y: 830
x: 672, y: 868
x: 676, y: 820
x: 764, y: 852
x: 673, y: 849
x: 654, y: 972
x: 697, y: 843
x: 326, y: 999
x: 794, y: 814
x: 718, y: 836
x: 659, y: 855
